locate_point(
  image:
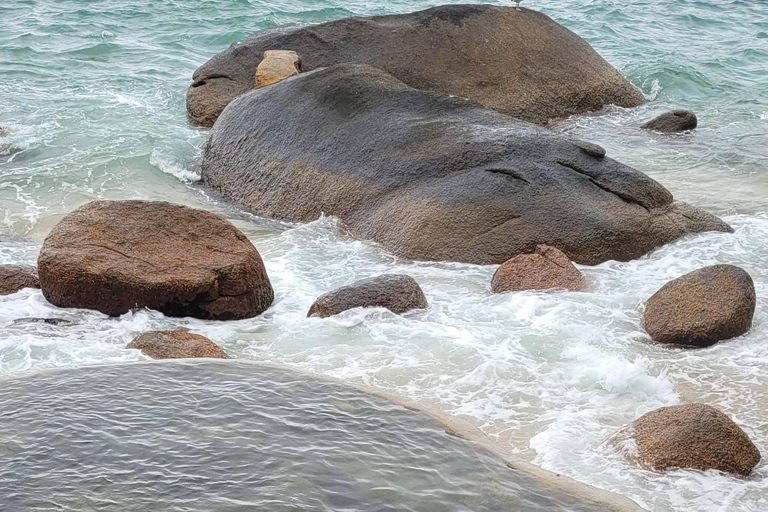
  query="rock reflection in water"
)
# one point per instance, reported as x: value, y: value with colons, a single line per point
x: 234, y: 436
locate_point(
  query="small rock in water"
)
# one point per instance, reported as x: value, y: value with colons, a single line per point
x: 547, y: 268
x: 17, y: 277
x: 3, y: 132
x: 115, y: 256
x: 701, y: 308
x: 47, y: 321
x: 276, y: 66
x: 693, y: 436
x: 398, y: 293
x: 176, y: 345
x: 674, y: 121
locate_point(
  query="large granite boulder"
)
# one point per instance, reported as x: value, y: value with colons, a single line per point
x: 17, y: 277
x: 396, y: 292
x: 693, y: 436
x: 176, y: 345
x: 702, y: 307
x: 545, y: 269
x: 433, y: 177
x: 518, y: 62
x: 113, y: 256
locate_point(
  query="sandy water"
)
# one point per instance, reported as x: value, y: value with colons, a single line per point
x: 92, y: 93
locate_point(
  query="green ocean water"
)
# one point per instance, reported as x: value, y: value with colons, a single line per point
x: 92, y: 97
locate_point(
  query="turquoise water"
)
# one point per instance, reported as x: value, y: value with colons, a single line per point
x: 92, y: 95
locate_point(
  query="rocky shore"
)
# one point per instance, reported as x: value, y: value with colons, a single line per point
x: 429, y: 135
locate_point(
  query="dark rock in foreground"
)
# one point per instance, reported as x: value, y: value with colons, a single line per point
x: 431, y: 177
x: 17, y: 277
x: 674, y: 121
x: 702, y: 307
x: 518, y: 62
x: 545, y: 269
x: 176, y: 345
x: 693, y: 436
x: 114, y: 256
x: 398, y: 293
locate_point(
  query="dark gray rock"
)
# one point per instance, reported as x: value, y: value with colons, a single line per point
x: 516, y: 61
x: 398, y: 293
x: 433, y: 177
x: 674, y: 121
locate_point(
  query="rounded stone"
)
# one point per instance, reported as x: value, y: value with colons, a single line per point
x: 692, y: 436
x: 674, y: 121
x: 176, y: 345
x: 398, y: 293
x: 547, y: 268
x: 702, y: 307
x: 115, y: 256
x: 14, y: 278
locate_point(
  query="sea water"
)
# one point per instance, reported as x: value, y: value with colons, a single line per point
x: 92, y: 95
x: 233, y: 436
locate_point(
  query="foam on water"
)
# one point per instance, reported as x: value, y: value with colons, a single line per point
x: 93, y: 99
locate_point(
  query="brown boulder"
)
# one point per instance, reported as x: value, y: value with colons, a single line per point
x: 674, y: 121
x: 114, y: 256
x: 276, y: 67
x: 176, y: 345
x: 701, y: 308
x: 398, y: 293
x: 518, y: 62
x: 545, y: 269
x: 17, y: 277
x: 693, y: 436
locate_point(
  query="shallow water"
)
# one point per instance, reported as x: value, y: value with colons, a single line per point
x: 92, y: 93
x: 233, y: 436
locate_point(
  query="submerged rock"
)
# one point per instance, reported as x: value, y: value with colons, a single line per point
x: 114, y: 256
x: 518, y: 62
x: 17, y: 277
x: 176, y: 345
x: 693, y: 436
x: 398, y: 293
x: 545, y: 269
x: 432, y: 177
x: 674, y: 121
x: 276, y: 67
x: 702, y: 307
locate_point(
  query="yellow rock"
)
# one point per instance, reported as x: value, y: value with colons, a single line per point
x: 276, y: 66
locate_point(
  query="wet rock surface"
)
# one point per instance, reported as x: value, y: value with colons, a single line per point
x: 114, y: 256
x: 176, y: 345
x: 545, y: 269
x: 532, y: 68
x: 14, y: 278
x: 674, y: 121
x: 432, y: 177
x: 692, y: 436
x: 398, y: 293
x: 702, y: 307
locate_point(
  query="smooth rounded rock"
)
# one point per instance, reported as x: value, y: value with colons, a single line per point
x: 398, y: 293
x: 276, y: 66
x: 14, y: 278
x: 516, y: 61
x: 702, y: 307
x: 692, y: 436
x: 674, y: 121
x: 433, y: 177
x: 176, y: 345
x: 547, y: 268
x: 115, y: 256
